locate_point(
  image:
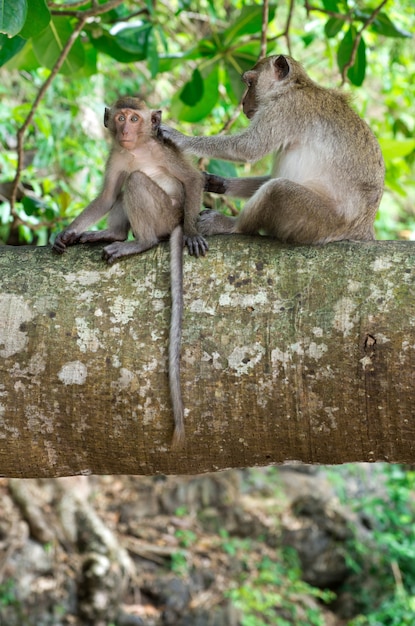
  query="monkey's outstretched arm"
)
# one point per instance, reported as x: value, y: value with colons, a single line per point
x: 249, y: 145
x: 235, y: 187
x: 94, y: 211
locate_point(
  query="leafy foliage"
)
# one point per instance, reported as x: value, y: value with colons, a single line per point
x: 388, y: 559
x: 188, y: 58
x: 269, y: 590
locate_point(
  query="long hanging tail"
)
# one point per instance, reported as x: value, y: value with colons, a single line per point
x: 176, y: 283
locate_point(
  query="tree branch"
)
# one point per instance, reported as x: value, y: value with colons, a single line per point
x: 289, y: 353
x: 97, y: 9
x: 265, y: 17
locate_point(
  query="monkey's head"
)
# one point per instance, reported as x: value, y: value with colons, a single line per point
x: 268, y: 78
x: 129, y: 120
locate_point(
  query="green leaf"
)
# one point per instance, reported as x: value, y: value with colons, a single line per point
x: 38, y: 17
x: 331, y: 5
x: 50, y: 43
x: 186, y: 113
x: 25, y: 59
x: 208, y: 47
x: 152, y: 54
x: 127, y: 46
x: 333, y: 27
x: 242, y: 59
x: 193, y: 91
x: 12, y: 16
x: 234, y: 85
x: 248, y: 23
x: 168, y: 62
x: 134, y: 39
x: 384, y: 26
x: 108, y: 44
x: 345, y: 49
x: 32, y: 206
x: 396, y: 148
x: 356, y: 73
x: 222, y: 168
x: 9, y: 47
x: 90, y: 66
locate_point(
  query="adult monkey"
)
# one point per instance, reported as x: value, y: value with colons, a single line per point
x: 327, y: 179
x: 151, y: 188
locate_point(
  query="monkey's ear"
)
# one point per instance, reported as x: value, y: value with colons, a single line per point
x: 281, y: 67
x: 155, y: 119
x: 106, y: 117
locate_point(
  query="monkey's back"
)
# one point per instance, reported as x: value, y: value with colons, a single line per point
x: 327, y: 146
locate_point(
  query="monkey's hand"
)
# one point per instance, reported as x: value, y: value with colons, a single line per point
x: 197, y: 245
x: 66, y: 238
x: 173, y: 135
x: 216, y: 184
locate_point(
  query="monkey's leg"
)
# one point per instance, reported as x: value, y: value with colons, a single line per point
x: 212, y: 223
x: 118, y: 226
x: 117, y: 250
x: 150, y: 213
x: 292, y: 213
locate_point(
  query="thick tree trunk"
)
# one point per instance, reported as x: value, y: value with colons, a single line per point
x: 289, y: 353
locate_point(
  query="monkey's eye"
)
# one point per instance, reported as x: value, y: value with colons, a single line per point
x: 134, y: 118
x: 121, y: 118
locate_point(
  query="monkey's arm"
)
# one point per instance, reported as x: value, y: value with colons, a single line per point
x: 196, y: 243
x: 94, y: 211
x: 235, y: 187
x: 249, y: 145
x: 193, y: 183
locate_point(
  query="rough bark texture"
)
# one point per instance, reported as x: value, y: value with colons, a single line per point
x: 289, y: 353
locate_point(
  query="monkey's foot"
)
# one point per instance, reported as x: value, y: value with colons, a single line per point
x: 65, y: 238
x: 96, y: 236
x: 116, y: 251
x: 196, y: 245
x: 212, y: 223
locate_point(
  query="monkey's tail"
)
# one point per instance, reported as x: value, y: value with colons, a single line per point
x: 176, y: 282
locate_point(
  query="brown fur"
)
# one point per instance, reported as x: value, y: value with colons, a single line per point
x: 151, y: 188
x: 327, y: 180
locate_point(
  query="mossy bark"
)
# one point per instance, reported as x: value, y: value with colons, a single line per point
x: 289, y: 354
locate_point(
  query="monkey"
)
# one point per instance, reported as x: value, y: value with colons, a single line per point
x: 150, y: 187
x: 327, y: 178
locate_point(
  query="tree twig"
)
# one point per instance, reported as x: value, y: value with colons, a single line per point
x: 358, y: 39
x: 346, y: 17
x: 265, y: 17
x: 288, y: 25
x: 97, y: 9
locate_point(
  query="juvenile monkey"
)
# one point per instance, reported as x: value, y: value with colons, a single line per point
x: 151, y: 188
x: 327, y: 179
